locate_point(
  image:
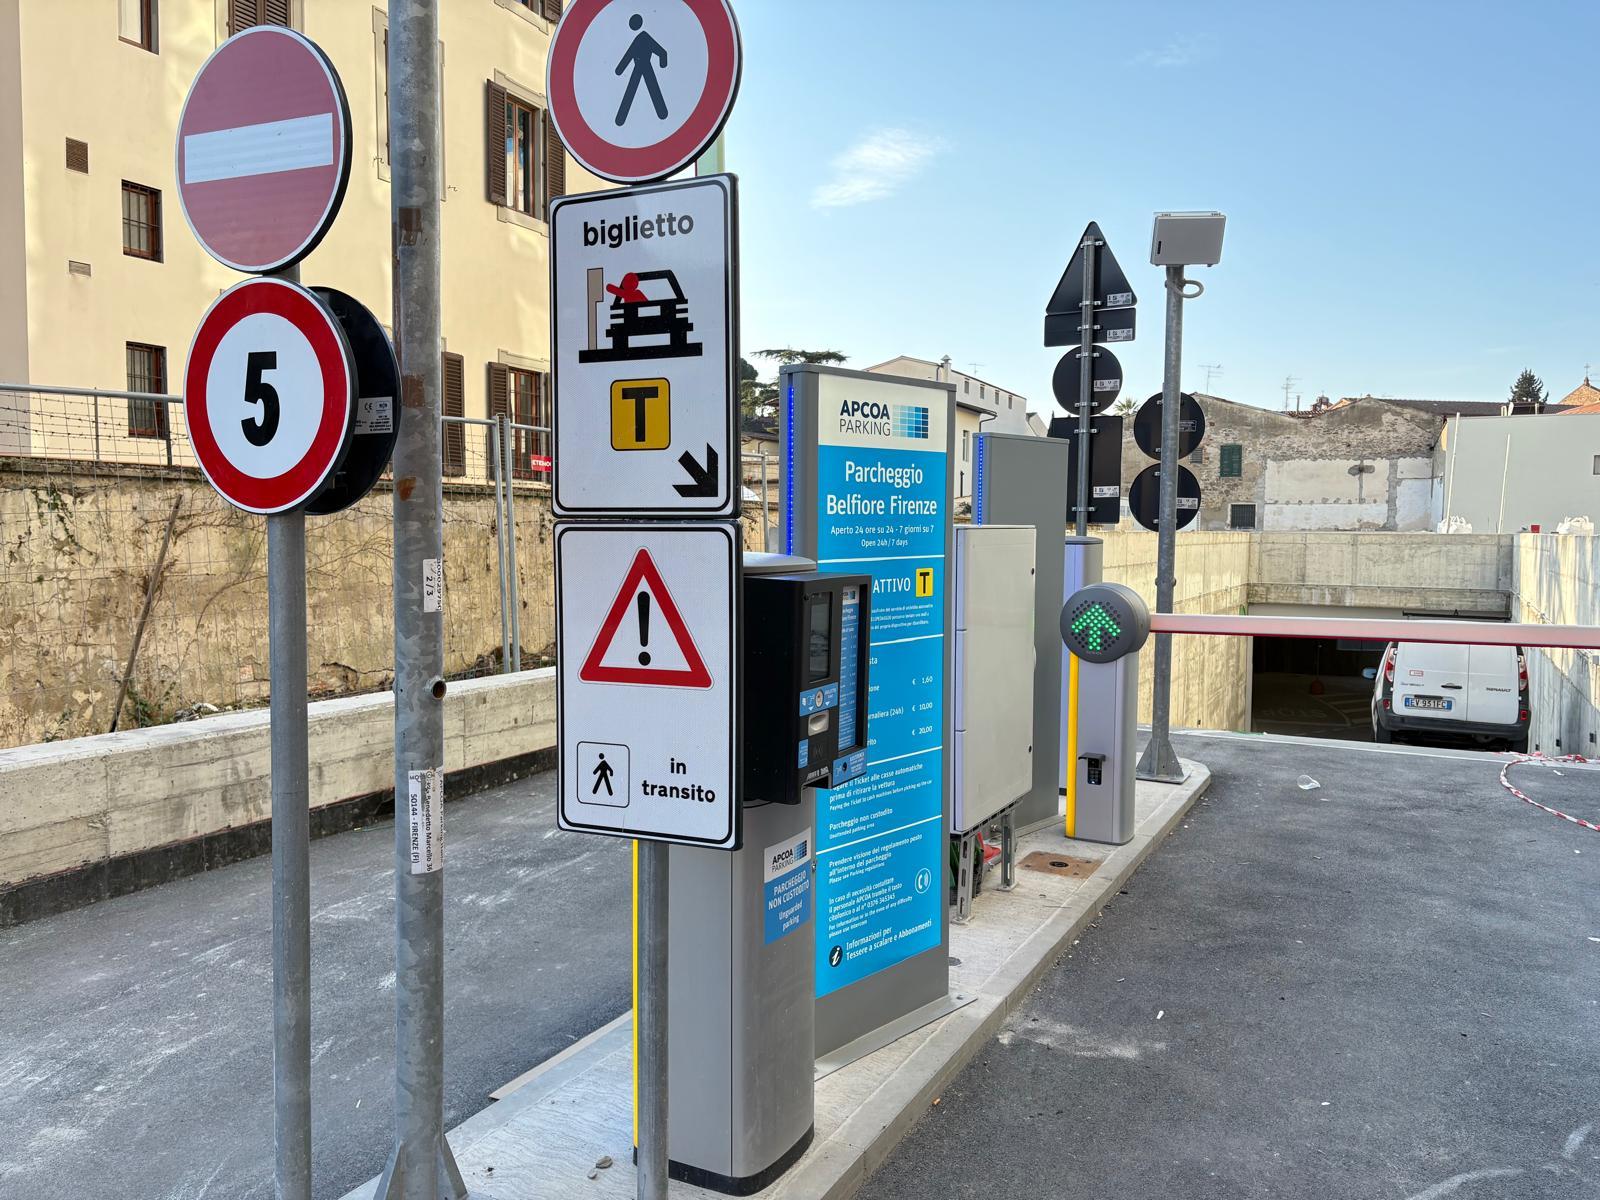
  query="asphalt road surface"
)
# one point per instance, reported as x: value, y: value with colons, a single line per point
x: 136, y: 1035
x: 1388, y: 986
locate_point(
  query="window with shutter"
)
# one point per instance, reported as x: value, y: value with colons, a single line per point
x: 1230, y: 461
x: 552, y: 10
x: 453, y: 434
x: 495, y: 150
x: 499, y: 388
x: 523, y: 388
x: 242, y: 14
x: 147, y: 372
x: 141, y: 221
x: 555, y: 164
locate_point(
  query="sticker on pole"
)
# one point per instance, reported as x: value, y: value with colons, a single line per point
x: 646, y: 707
x: 638, y: 89
x: 644, y: 326
x: 263, y: 151
x: 268, y: 395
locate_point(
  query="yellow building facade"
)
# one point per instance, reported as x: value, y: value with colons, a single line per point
x: 102, y: 284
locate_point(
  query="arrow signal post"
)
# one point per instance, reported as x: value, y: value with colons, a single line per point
x: 1094, y: 626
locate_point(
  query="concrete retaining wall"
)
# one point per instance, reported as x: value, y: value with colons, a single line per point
x: 1210, y: 675
x: 1402, y: 571
x: 91, y: 801
x: 1557, y: 582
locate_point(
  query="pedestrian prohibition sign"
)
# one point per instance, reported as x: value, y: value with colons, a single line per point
x: 646, y: 702
x: 639, y: 88
x: 268, y: 395
x: 263, y: 150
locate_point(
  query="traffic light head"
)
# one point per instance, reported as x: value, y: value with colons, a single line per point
x: 1104, y: 621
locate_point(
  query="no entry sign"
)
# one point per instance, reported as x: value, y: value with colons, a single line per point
x: 268, y: 395
x: 263, y: 150
x: 639, y: 88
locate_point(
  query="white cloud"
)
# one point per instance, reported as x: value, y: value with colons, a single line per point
x: 1179, y: 52
x: 876, y: 166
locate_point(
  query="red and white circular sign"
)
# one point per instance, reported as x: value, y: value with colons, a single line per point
x: 639, y: 88
x: 268, y: 395
x: 263, y: 151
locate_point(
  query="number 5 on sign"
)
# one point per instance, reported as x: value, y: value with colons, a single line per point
x: 269, y: 395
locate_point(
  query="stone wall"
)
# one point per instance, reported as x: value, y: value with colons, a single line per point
x: 1210, y: 675
x: 1557, y: 582
x: 79, y: 544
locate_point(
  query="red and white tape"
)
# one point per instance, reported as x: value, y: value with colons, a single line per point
x: 1505, y: 782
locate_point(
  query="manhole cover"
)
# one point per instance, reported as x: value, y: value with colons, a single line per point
x: 1060, y: 864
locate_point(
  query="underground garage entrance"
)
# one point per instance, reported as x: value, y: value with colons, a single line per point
x: 1312, y: 687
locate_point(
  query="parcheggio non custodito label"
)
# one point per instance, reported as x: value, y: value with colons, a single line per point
x: 432, y: 585
x: 786, y: 886
x: 425, y: 811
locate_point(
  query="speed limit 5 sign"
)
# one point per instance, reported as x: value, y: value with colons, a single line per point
x: 268, y: 395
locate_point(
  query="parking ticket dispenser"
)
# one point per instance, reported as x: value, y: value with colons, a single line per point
x: 1105, y: 624
x: 805, y: 682
x: 741, y: 991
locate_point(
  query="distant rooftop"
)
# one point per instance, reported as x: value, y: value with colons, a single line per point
x: 1441, y: 408
x: 1585, y: 397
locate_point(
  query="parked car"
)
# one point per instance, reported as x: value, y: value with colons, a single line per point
x: 1449, y: 691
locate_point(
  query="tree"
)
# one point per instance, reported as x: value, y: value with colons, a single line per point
x: 756, y: 399
x: 1527, y: 392
x: 788, y: 356
x: 1125, y: 407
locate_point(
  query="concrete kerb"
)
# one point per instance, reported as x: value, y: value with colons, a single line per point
x: 575, y: 1105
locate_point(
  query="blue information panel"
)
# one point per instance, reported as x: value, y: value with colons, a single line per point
x: 882, y: 510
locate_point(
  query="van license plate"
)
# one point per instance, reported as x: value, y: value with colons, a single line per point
x: 1429, y: 702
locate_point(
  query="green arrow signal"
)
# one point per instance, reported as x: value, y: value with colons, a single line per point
x: 1094, y: 625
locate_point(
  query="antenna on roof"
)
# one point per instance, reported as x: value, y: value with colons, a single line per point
x: 1210, y: 369
x: 1288, y: 382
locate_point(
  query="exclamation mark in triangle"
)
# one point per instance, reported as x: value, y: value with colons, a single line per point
x: 645, y: 593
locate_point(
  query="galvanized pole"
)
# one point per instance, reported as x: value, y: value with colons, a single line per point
x: 508, y: 439
x: 291, y: 858
x: 651, y: 1182
x: 420, y: 1165
x: 1159, y: 762
x: 1086, y: 325
x: 501, y: 509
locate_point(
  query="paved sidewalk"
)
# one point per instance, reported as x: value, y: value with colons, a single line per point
x: 546, y: 1137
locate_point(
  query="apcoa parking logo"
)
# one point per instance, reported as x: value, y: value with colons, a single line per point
x: 885, y: 420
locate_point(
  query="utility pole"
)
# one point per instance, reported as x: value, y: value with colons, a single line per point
x: 1288, y: 382
x: 420, y: 1166
x: 1181, y: 240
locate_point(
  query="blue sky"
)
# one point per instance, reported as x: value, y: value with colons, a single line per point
x: 1410, y: 187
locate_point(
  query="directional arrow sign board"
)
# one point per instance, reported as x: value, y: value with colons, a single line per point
x: 646, y: 702
x: 638, y: 90
x: 269, y: 395
x: 643, y: 294
x: 263, y: 150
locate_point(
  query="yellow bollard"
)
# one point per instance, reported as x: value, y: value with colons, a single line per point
x: 1071, y: 766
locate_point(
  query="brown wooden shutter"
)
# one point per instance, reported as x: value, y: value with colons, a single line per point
x: 495, y: 142
x: 499, y: 401
x: 552, y: 10
x: 241, y: 15
x: 274, y: 12
x: 555, y: 164
x: 77, y: 155
x: 453, y: 439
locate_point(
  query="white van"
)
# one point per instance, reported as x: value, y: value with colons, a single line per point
x: 1434, y: 691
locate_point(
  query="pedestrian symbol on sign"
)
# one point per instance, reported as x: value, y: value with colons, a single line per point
x: 640, y: 55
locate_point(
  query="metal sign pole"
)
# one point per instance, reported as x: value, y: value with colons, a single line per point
x: 1085, y: 383
x: 291, y: 857
x: 420, y: 1165
x: 1159, y: 762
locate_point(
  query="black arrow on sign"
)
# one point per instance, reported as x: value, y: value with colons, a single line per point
x: 705, y: 478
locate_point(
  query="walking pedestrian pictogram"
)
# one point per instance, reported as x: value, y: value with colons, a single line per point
x: 602, y: 777
x: 640, y: 56
x: 625, y: 652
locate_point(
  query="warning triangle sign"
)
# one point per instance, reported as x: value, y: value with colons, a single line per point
x: 630, y: 647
